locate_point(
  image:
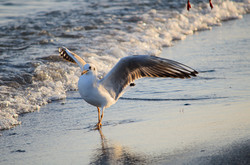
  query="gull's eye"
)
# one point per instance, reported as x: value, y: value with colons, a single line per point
x: 90, y: 67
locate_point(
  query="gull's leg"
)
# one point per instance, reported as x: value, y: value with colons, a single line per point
x: 211, y: 5
x: 188, y: 5
x: 102, y: 114
x: 99, y: 124
x: 98, y: 114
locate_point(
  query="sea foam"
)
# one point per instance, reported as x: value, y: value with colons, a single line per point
x: 118, y: 36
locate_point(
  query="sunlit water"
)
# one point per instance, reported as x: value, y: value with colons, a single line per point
x: 33, y: 75
x: 159, y: 121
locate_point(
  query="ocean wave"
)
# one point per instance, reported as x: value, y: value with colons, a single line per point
x: 102, y: 36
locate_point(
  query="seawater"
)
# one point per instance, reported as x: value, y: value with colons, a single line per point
x: 31, y: 72
x: 159, y: 121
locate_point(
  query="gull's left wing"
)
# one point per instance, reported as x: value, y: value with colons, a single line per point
x: 131, y: 68
x: 71, y: 57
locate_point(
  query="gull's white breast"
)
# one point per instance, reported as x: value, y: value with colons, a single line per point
x: 94, y: 93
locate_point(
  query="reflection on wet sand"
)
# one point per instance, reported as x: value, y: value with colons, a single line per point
x: 110, y: 153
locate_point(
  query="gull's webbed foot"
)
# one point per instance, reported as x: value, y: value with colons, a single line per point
x: 98, y: 125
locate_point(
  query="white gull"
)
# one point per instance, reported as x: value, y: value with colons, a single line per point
x: 104, y: 92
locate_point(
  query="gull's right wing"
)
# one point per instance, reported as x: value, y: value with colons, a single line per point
x: 71, y: 57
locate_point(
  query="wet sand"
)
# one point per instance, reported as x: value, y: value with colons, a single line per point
x: 204, y: 120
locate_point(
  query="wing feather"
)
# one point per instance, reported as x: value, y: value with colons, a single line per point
x: 131, y: 68
x: 71, y: 57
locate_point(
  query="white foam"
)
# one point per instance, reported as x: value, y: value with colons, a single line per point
x: 154, y: 30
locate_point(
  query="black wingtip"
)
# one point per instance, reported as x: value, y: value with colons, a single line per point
x: 194, y: 73
x: 62, y: 51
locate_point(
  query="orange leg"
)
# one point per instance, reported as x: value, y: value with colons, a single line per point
x: 211, y: 5
x: 99, y: 124
x: 188, y: 5
x: 102, y: 114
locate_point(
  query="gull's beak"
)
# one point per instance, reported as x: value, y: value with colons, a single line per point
x: 84, y: 72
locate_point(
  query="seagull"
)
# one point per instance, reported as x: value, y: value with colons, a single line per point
x: 103, y: 92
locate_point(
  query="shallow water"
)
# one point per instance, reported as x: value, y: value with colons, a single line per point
x: 159, y: 121
x: 33, y: 75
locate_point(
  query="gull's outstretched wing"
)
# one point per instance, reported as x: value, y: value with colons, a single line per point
x: 71, y: 57
x: 131, y: 68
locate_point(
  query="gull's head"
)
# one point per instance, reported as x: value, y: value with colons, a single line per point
x: 89, y: 69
